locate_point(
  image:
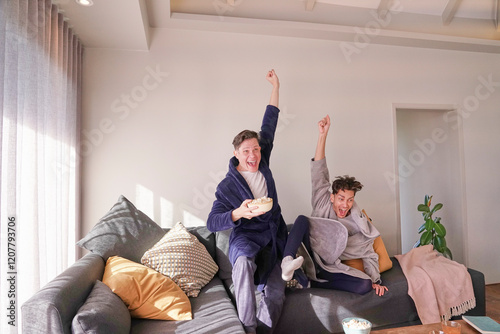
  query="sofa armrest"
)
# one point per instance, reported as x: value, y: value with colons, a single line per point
x: 478, y: 284
x: 52, y: 309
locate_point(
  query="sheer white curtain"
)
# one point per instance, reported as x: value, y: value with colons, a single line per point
x: 40, y: 84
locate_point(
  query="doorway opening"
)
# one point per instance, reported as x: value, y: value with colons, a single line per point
x: 429, y: 161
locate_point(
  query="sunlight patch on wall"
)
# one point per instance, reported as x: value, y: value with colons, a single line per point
x: 144, y: 200
x: 191, y: 220
x: 167, y: 213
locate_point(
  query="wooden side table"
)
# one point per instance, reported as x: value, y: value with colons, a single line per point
x: 424, y: 329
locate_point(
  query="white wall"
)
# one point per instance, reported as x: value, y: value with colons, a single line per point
x: 164, y: 140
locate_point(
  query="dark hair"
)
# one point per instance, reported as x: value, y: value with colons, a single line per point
x: 244, y: 135
x: 346, y: 182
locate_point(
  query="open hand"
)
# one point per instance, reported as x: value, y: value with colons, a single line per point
x: 245, y: 212
x: 379, y: 289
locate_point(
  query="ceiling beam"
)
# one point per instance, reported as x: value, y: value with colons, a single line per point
x: 450, y: 10
x: 383, y: 8
x: 310, y: 5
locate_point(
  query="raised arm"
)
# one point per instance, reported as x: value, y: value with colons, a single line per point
x: 273, y: 79
x: 270, y: 120
x: 323, y: 127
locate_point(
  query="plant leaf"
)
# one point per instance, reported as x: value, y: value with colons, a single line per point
x: 429, y: 224
x: 447, y: 253
x: 440, y: 230
x: 423, y: 208
x: 436, y: 207
x: 417, y: 244
x: 440, y: 244
x: 426, y: 200
x: 437, y: 220
x: 426, y: 238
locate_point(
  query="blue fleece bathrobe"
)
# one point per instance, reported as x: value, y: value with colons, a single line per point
x: 251, y: 236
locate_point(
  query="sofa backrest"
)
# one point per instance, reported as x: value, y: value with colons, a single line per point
x: 206, y: 237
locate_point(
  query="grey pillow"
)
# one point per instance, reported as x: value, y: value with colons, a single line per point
x: 222, y: 254
x: 102, y: 312
x: 124, y: 231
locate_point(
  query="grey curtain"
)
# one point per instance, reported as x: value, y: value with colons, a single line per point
x: 40, y: 92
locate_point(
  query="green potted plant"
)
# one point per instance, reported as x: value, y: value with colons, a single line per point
x: 433, y: 232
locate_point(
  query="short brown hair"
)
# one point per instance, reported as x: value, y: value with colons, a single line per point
x: 346, y: 182
x: 244, y: 135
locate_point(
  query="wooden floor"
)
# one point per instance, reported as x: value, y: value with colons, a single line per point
x: 493, y: 301
x: 492, y: 311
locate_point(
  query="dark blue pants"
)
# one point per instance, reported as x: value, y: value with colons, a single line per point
x: 337, y: 281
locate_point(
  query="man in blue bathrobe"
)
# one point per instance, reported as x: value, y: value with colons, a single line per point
x: 257, y: 240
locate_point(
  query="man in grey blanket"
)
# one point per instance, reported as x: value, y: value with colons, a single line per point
x: 337, y: 230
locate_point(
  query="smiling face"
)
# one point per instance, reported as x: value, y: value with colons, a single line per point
x: 248, y: 155
x: 342, y: 202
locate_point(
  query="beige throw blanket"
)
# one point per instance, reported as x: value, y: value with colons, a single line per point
x: 441, y: 288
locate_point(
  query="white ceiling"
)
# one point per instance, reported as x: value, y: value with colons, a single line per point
x: 470, y: 25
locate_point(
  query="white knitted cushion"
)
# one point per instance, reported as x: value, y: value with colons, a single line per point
x: 180, y: 256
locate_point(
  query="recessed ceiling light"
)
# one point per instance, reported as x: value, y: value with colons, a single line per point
x: 85, y: 2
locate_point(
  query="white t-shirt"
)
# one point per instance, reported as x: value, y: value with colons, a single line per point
x: 256, y: 182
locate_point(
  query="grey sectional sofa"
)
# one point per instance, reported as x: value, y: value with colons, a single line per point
x: 315, y: 311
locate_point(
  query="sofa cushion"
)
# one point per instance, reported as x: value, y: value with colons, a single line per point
x: 180, y: 256
x: 102, y: 312
x: 222, y: 254
x: 124, y: 231
x: 213, y: 313
x: 146, y: 292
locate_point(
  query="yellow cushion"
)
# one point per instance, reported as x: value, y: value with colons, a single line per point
x: 147, y: 293
x: 180, y: 256
x: 384, y: 261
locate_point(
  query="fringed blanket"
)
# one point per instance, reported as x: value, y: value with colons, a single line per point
x: 441, y: 288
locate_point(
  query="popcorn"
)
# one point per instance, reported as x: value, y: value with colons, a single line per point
x: 264, y: 204
x: 357, y: 324
x: 262, y: 200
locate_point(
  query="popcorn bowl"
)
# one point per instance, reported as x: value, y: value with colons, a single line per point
x: 264, y: 204
x: 355, y: 325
